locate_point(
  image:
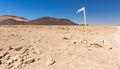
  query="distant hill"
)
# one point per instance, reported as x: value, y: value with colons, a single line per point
x: 15, y: 20
x: 11, y: 21
x: 51, y: 21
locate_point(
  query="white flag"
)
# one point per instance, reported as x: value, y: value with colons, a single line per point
x: 80, y: 10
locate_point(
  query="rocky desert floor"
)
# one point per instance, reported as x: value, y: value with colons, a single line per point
x: 59, y: 47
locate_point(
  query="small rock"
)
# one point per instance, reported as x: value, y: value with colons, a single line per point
x: 9, y: 62
x: 18, y: 65
x: 89, y: 50
x: 38, y: 59
x: 75, y: 42
x: 1, y: 49
x: 29, y: 31
x: 0, y: 62
x: 24, y: 50
x: 10, y: 48
x: 20, y: 60
x: 65, y: 38
x: 1, y: 56
x: 18, y: 48
x: 50, y: 62
x: 110, y: 48
x: 97, y: 45
x: 15, y: 58
x: 7, y: 57
x: 9, y: 67
x: 30, y: 60
x: 4, y: 54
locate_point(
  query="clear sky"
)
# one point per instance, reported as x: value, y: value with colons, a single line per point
x: 98, y: 11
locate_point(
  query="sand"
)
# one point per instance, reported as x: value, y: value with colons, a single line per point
x: 59, y: 47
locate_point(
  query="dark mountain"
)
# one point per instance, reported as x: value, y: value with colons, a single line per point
x: 15, y: 20
x: 51, y: 21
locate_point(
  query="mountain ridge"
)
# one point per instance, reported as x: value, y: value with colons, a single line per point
x: 16, y: 20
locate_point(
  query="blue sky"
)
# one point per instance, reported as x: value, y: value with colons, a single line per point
x: 98, y: 11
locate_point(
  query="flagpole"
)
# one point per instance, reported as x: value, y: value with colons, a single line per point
x: 86, y: 32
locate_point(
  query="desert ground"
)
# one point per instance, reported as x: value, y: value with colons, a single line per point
x: 59, y: 47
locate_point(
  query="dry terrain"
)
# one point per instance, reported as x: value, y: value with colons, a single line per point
x: 59, y: 47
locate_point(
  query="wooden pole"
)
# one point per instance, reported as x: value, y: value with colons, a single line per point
x: 86, y: 32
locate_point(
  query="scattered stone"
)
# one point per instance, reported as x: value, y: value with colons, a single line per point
x: 1, y: 49
x: 22, y: 39
x: 65, y: 38
x: 9, y: 67
x: 9, y: 62
x: 75, y: 42
x: 18, y: 65
x: 38, y: 59
x: 4, y: 54
x: 50, y: 62
x: 29, y: 31
x: 20, y: 60
x: 24, y: 50
x: 30, y: 60
x: 7, y: 57
x: 0, y: 56
x: 18, y: 48
x: 96, y: 45
x: 15, y: 58
x: 89, y: 50
x: 10, y: 48
x: 12, y: 34
x: 110, y: 48
x: 0, y: 62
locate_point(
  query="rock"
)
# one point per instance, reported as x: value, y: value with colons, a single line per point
x: 50, y: 62
x: 65, y: 38
x: 28, y: 61
x: 20, y: 60
x: 89, y: 50
x: 1, y: 56
x: 18, y: 48
x: 10, y: 48
x: 1, y: 49
x: 110, y: 48
x: 18, y: 65
x: 0, y: 62
x: 5, y: 53
x: 7, y: 57
x: 75, y: 42
x: 15, y: 58
x: 9, y: 67
x: 96, y: 45
x: 9, y: 62
x: 24, y: 50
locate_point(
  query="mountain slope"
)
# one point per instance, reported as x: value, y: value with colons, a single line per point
x: 15, y: 20
x: 51, y: 21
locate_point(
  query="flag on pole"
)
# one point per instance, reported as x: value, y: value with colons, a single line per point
x: 80, y: 10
